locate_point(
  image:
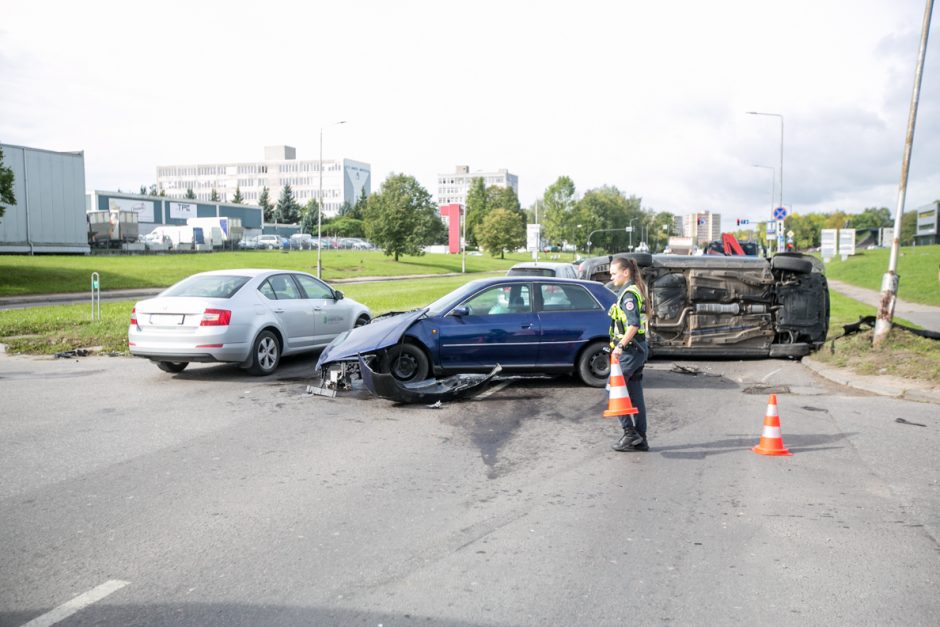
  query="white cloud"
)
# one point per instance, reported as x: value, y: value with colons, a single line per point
x: 648, y: 97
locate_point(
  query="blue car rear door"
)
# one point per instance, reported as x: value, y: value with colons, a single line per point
x: 500, y: 328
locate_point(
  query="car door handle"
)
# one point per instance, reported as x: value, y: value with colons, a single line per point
x: 278, y: 311
x: 318, y: 308
x: 527, y: 325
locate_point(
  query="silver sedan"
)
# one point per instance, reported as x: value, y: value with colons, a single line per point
x: 248, y: 317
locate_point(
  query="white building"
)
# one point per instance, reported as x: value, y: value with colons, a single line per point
x: 344, y: 181
x: 452, y: 188
x: 702, y: 227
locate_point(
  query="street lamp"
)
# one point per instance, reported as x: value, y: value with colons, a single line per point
x: 777, y: 115
x: 320, y: 203
x: 773, y: 183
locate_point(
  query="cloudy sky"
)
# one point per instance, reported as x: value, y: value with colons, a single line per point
x: 649, y: 97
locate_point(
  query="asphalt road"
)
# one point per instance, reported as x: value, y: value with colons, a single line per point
x: 214, y: 498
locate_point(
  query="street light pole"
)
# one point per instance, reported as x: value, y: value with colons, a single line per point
x: 631, y: 233
x: 777, y: 115
x: 320, y: 204
x: 773, y: 183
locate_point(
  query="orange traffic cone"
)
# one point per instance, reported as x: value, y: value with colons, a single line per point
x: 771, y: 441
x: 619, y: 403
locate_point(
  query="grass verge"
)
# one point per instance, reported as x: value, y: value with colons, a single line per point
x: 55, y: 274
x: 917, y: 269
x: 903, y: 354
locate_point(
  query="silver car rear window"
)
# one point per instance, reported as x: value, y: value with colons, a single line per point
x: 215, y: 286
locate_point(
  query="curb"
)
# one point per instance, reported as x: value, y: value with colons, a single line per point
x: 894, y: 387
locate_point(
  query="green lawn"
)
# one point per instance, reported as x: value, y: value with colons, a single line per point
x: 51, y: 274
x: 917, y: 269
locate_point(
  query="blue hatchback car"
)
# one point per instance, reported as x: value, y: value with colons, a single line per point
x: 526, y: 324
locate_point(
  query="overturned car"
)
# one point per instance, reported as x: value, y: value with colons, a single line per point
x: 717, y: 306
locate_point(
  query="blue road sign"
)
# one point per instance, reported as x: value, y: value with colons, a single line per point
x: 780, y: 213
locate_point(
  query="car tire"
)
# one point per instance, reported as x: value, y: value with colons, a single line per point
x: 265, y: 354
x: 799, y: 349
x: 593, y: 365
x: 406, y: 362
x: 362, y: 321
x: 792, y: 264
x: 173, y: 367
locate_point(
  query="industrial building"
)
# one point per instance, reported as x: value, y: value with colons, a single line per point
x: 154, y: 211
x: 452, y: 188
x: 344, y: 181
x: 49, y: 214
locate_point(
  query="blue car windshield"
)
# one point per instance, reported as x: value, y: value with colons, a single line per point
x: 211, y: 286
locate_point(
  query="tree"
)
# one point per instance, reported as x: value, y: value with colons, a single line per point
x: 153, y: 189
x: 557, y: 203
x: 401, y: 218
x: 309, y: 217
x: 358, y: 210
x: 872, y: 218
x: 344, y: 226
x: 214, y: 197
x: 501, y: 230
x: 7, y: 197
x: 476, y: 208
x: 189, y: 194
x: 162, y: 192
x: 264, y: 201
x: 287, y: 207
x: 143, y: 190
x: 237, y: 199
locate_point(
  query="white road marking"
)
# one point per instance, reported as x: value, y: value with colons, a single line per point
x: 78, y: 603
x: 493, y: 390
x: 770, y: 374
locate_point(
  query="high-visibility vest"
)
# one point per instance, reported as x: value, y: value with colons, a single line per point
x: 618, y: 317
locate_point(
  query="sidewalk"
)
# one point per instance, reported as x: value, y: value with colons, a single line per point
x: 926, y: 316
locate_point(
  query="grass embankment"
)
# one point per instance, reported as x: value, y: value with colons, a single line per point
x: 903, y: 354
x: 55, y: 274
x: 917, y: 269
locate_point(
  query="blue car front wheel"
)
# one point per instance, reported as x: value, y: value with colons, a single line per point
x: 406, y: 362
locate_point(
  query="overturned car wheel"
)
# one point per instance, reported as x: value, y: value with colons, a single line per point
x: 793, y: 264
x: 406, y: 362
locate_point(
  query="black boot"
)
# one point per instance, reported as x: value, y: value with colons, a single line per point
x: 628, y: 441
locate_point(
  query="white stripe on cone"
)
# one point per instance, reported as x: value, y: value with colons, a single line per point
x: 772, y: 433
x: 772, y: 410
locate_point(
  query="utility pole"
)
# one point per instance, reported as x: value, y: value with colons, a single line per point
x: 889, y: 282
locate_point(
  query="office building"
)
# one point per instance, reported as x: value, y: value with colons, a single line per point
x: 452, y: 188
x: 702, y: 227
x: 344, y: 180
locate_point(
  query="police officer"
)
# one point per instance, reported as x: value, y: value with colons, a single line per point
x: 628, y: 341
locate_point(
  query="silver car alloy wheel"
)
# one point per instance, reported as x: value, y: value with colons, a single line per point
x: 267, y: 353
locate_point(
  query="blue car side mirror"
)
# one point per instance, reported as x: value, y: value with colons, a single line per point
x: 461, y: 311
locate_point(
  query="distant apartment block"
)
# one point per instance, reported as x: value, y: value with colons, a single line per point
x: 702, y: 227
x: 344, y: 180
x: 452, y: 188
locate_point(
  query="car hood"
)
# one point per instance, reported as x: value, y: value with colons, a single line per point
x: 381, y: 333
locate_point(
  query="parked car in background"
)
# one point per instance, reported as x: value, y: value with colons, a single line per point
x: 718, y: 306
x: 302, y: 241
x: 248, y: 317
x: 524, y: 324
x: 249, y: 243
x: 544, y: 268
x: 273, y: 242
